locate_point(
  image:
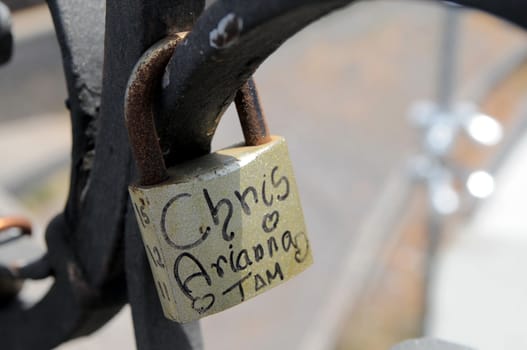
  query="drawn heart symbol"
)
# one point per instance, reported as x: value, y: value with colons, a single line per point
x: 270, y: 221
x: 302, y: 247
x: 203, y: 304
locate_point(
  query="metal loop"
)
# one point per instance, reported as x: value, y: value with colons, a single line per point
x: 139, y: 115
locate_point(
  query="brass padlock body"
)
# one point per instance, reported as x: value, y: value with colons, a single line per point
x: 224, y: 228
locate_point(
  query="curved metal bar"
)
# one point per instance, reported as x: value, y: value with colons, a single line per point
x: 229, y: 41
x: 138, y: 111
x: 86, y: 244
x: 227, y: 44
x: 79, y: 26
x: 139, y: 114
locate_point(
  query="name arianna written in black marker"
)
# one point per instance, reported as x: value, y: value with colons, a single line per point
x: 256, y: 267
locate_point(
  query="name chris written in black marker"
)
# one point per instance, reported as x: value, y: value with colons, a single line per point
x: 193, y: 277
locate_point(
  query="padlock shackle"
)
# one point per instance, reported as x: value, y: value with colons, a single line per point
x: 252, y: 120
x: 143, y: 84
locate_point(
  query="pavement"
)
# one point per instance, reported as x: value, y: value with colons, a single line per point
x: 342, y: 105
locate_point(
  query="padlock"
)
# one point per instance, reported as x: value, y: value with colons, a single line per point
x: 221, y: 228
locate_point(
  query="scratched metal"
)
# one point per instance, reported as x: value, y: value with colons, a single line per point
x: 224, y: 228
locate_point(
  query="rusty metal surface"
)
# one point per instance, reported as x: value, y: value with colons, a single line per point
x: 254, y: 125
x: 143, y: 86
x: 131, y: 28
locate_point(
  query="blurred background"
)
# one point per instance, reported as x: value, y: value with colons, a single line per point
x: 405, y: 123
